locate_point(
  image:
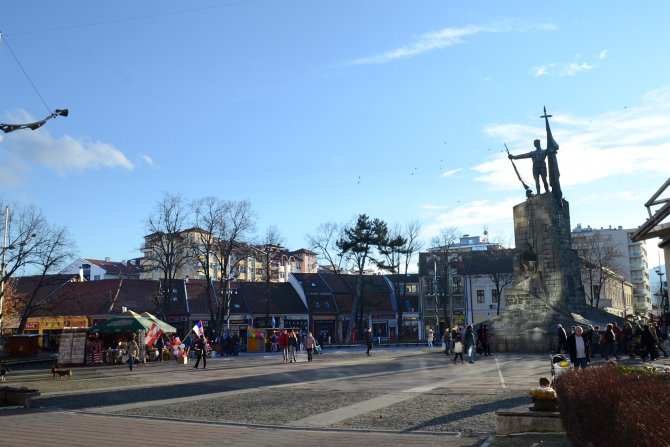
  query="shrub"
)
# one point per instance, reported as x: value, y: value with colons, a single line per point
x: 612, y: 406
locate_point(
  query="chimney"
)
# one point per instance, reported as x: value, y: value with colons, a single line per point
x: 108, y: 259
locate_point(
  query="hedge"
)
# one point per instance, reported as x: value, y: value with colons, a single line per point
x: 615, y: 406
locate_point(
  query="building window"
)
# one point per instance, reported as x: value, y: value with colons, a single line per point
x: 494, y: 296
x: 480, y: 297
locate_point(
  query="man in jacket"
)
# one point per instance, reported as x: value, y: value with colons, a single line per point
x: 579, y: 348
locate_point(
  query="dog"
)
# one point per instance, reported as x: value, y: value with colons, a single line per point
x: 61, y: 373
x: 4, y: 371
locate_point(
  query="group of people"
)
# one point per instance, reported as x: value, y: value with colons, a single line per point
x: 471, y: 342
x: 644, y: 341
x: 289, y: 342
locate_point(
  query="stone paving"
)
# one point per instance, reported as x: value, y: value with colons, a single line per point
x: 399, y: 396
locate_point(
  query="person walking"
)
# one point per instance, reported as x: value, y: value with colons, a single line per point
x: 201, y: 351
x: 457, y: 340
x: 579, y: 348
x: 446, y: 341
x: 310, y: 344
x: 430, y: 338
x: 368, y: 340
x: 469, y: 343
x: 159, y: 347
x: 609, y: 342
x: 455, y: 333
x: 283, y: 344
x: 562, y: 339
x: 133, y: 351
x: 292, y: 346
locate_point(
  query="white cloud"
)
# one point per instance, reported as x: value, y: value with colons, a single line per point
x: 567, y: 69
x: 22, y: 150
x: 473, y: 214
x: 446, y: 37
x: 616, y: 143
x: 148, y: 160
x: 602, y: 55
x: 451, y: 172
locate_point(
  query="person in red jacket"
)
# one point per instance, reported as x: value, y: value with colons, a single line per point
x: 283, y: 344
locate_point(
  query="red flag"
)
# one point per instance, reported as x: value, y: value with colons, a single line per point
x: 152, y: 335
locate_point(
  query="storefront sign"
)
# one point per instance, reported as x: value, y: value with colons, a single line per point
x: 32, y: 325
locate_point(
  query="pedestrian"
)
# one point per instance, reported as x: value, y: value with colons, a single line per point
x: 457, y: 345
x: 310, y: 344
x: 236, y: 344
x: 430, y: 337
x: 562, y: 340
x: 283, y: 344
x: 487, y: 341
x: 159, y: 346
x: 133, y: 351
x: 469, y: 343
x: 627, y: 336
x: 273, y: 342
x: 454, y: 334
x: 446, y: 341
x: 368, y: 340
x: 649, y: 342
x: 579, y: 348
x: 201, y: 351
x: 292, y: 346
x: 596, y: 345
x: 609, y: 342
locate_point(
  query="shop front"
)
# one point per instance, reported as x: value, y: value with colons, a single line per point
x: 381, y: 324
x: 49, y: 328
x: 324, y: 328
x: 410, y: 326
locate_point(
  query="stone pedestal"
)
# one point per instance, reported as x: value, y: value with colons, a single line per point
x: 547, y: 285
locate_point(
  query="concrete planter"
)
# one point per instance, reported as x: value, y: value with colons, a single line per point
x: 18, y: 396
x: 510, y: 422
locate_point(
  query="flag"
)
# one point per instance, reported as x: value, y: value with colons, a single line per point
x: 198, y: 328
x: 152, y: 335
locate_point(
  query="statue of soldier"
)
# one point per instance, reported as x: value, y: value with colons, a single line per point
x: 539, y: 165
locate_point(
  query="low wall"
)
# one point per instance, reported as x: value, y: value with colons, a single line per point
x: 510, y: 422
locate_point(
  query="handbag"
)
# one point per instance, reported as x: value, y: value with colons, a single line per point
x: 458, y: 347
x: 444, y: 346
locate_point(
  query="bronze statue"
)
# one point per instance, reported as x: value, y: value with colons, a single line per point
x: 539, y: 165
x: 539, y: 156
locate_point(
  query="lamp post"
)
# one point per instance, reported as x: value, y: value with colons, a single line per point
x: 663, y: 295
x: 2, y: 269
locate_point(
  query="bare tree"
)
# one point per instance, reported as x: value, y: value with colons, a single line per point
x: 398, y: 259
x: 270, y: 250
x: 207, y: 217
x: 38, y: 247
x: 167, y: 246
x: 445, y: 255
x: 599, y: 261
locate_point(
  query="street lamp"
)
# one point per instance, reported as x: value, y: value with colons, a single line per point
x: 6, y: 128
x: 663, y: 295
x: 2, y: 267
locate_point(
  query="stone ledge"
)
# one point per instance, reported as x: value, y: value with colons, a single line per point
x: 510, y: 422
x: 18, y: 397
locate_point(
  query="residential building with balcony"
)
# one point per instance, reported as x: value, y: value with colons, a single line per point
x: 631, y: 262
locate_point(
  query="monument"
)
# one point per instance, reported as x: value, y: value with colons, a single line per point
x: 547, y: 287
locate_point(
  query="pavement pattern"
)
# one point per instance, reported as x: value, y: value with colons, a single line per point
x: 408, y: 396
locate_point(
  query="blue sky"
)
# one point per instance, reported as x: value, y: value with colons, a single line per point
x: 317, y: 111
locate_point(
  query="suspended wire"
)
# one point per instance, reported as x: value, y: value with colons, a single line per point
x: 3, y: 38
x: 132, y: 19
